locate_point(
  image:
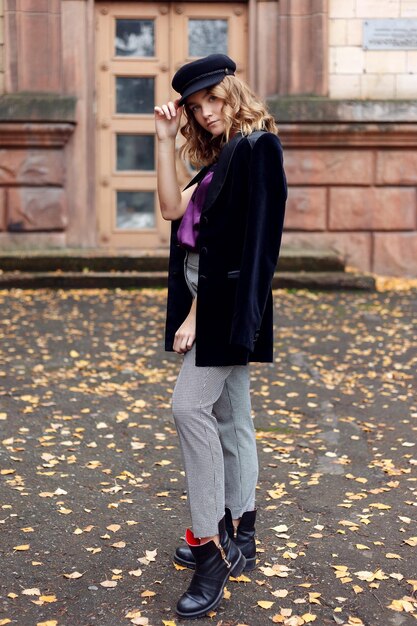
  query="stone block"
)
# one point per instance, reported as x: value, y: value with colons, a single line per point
x: 354, y: 34
x: 317, y: 167
x: 395, y: 254
x: 378, y: 86
x: 306, y: 209
x: 32, y: 209
x: 406, y: 86
x: 372, y: 208
x: 412, y: 59
x: 354, y: 248
x: 31, y: 167
x: 408, y: 8
x: 385, y: 61
x: 396, y: 167
x: 337, y: 32
x: 345, y: 86
x: 378, y: 8
x: 347, y: 60
x: 37, y: 6
x: 346, y: 8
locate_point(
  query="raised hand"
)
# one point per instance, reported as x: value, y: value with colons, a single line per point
x: 167, y: 119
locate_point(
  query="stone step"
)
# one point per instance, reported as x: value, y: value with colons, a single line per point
x: 76, y: 260
x: 139, y: 280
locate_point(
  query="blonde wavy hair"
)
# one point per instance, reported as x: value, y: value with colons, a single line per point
x: 243, y: 112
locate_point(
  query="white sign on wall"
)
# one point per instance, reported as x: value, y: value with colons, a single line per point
x: 390, y: 34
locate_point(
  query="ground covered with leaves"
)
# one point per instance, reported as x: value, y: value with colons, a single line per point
x: 92, y: 488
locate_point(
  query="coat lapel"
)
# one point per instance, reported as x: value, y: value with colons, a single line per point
x: 199, y: 176
x: 221, y: 170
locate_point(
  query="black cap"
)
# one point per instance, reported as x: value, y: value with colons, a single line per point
x: 202, y: 74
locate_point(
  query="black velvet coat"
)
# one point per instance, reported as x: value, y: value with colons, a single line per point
x: 240, y: 236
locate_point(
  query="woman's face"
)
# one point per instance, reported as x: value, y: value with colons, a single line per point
x: 207, y: 111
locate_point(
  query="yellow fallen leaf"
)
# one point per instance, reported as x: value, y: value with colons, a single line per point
x: 49, y: 622
x: 147, y: 594
x: 391, y: 555
x: 357, y: 589
x: 151, y: 554
x: 309, y: 617
x: 114, y: 527
x: 35, y: 591
x: 402, y: 605
x: 265, y: 604
x: 313, y: 597
x: 379, y: 505
x: 5, y: 621
x: 361, y: 546
x: 109, y: 583
x: 278, y: 619
x: 413, y: 583
x: 133, y: 613
x: 73, y: 575
x: 51, y: 598
x: 226, y: 594
x: 282, y: 528
x: 179, y: 567
x: 119, y: 544
x: 136, y: 572
x: 64, y: 511
x: 412, y: 541
x: 240, y: 579
x: 168, y: 622
x: 280, y: 593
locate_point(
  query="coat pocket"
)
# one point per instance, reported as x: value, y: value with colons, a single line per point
x: 233, y: 274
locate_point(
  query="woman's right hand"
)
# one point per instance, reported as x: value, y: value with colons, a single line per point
x: 167, y: 120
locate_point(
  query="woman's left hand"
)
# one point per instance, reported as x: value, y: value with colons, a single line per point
x: 185, y: 335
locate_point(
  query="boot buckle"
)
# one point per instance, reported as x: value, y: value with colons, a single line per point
x: 222, y: 552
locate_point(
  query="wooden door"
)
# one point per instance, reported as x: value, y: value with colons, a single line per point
x: 139, y: 48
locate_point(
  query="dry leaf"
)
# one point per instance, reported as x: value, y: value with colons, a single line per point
x: 109, y: 583
x: 22, y: 548
x: 265, y: 604
x: 31, y: 592
x: 73, y: 575
x: 135, y: 572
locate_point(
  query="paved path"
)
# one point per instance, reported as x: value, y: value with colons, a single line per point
x: 91, y: 478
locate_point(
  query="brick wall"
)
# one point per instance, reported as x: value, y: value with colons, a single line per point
x: 368, y: 74
x: 352, y: 173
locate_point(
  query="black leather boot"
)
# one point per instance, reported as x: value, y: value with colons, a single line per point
x: 244, y: 536
x: 213, y: 566
x: 244, y: 539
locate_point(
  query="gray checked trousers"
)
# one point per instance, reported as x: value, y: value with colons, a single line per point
x: 212, y: 413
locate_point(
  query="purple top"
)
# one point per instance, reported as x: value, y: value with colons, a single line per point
x: 190, y: 224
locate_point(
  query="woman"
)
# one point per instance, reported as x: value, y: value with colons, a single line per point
x: 226, y: 234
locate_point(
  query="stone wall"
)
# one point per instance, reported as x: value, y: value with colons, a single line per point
x: 368, y: 74
x: 1, y: 46
x: 33, y: 200
x: 352, y: 174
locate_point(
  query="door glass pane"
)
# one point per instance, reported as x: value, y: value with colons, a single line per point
x: 135, y: 209
x: 135, y: 95
x: 135, y: 152
x: 135, y: 38
x: 207, y: 37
